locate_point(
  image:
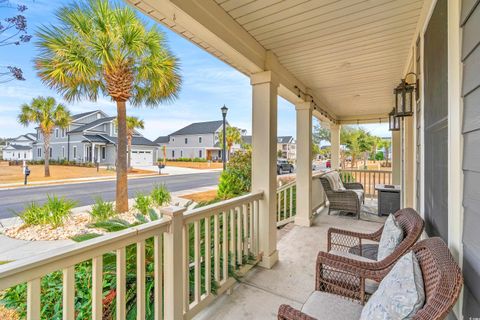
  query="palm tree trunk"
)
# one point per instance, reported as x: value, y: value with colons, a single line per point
x: 46, y: 147
x: 122, y: 182
x: 129, y: 152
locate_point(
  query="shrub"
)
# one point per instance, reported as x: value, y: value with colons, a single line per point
x: 160, y: 195
x: 143, y: 203
x: 237, y: 177
x: 102, y: 210
x: 53, y: 212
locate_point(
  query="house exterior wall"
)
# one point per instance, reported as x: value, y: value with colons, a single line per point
x: 10, y: 154
x: 470, y: 22
x: 177, y: 148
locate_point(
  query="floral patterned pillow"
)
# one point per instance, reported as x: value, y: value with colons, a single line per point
x: 400, y: 294
x: 392, y: 236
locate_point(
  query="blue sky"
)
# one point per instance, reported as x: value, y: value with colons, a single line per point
x: 208, y: 83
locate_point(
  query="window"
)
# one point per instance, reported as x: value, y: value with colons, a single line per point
x: 50, y: 152
x: 63, y: 152
x: 199, y: 139
x: 104, y: 153
x: 74, y: 152
x: 64, y: 132
x: 39, y: 152
x: 24, y: 155
x: 199, y: 153
x: 19, y: 155
x: 173, y: 154
x: 181, y: 153
x: 56, y: 133
x: 173, y: 139
x: 186, y: 140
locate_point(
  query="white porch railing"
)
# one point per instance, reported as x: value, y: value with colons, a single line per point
x: 369, y: 178
x: 189, y: 257
x: 287, y: 200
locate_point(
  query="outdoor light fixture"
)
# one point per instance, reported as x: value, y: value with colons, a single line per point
x: 404, y: 98
x: 224, y: 154
x: 393, y: 121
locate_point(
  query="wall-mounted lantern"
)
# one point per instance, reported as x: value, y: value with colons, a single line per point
x: 393, y: 121
x: 404, y: 98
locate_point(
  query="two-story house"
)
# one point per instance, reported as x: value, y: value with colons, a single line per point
x: 285, y: 144
x: 20, y: 148
x: 197, y: 140
x: 92, y: 137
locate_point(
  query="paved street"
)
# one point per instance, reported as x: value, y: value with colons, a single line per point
x: 84, y: 193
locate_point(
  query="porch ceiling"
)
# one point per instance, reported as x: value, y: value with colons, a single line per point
x: 351, y: 52
x: 348, y: 54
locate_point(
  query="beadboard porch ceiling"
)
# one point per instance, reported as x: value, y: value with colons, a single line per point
x: 350, y: 53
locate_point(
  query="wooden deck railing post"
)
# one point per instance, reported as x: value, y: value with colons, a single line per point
x: 173, y: 247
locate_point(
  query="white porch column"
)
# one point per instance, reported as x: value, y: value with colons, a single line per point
x: 335, y: 146
x: 93, y: 153
x: 264, y: 160
x: 396, y: 157
x: 304, y: 164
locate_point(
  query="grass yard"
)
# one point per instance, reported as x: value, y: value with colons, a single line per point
x: 201, y: 196
x: 13, y: 174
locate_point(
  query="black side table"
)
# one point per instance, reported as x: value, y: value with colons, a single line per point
x: 388, y: 198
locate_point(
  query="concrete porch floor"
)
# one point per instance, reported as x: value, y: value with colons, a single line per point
x: 259, y: 294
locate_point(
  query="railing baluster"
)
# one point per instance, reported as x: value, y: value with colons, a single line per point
x: 33, y: 299
x: 251, y: 237
x: 279, y: 206
x: 69, y: 293
x: 158, y: 276
x: 216, y: 247
x: 238, y: 215
x: 233, y: 246
x: 121, y: 284
x: 291, y: 201
x: 255, y: 227
x: 197, y: 261
x: 97, y: 288
x: 141, y: 280
x: 186, y: 269
x: 225, y: 245
x: 208, y: 261
x: 285, y: 204
x: 245, y: 230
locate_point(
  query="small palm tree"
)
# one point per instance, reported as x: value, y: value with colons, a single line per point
x: 233, y: 135
x: 46, y: 114
x: 132, y: 124
x: 100, y: 48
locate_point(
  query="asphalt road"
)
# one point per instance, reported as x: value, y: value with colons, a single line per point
x: 14, y: 200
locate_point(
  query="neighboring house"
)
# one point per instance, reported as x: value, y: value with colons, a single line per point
x: 92, y: 137
x: 285, y: 144
x: 20, y: 148
x: 197, y: 140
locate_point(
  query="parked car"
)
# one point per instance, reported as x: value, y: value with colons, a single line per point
x: 329, y: 164
x: 284, y: 166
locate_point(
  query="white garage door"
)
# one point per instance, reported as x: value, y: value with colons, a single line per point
x: 142, y: 158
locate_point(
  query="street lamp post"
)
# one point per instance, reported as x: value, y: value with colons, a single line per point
x: 224, y: 155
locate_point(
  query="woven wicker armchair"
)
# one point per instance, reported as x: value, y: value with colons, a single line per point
x: 441, y: 276
x: 348, y: 200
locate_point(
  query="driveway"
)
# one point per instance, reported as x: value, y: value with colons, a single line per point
x: 14, y: 200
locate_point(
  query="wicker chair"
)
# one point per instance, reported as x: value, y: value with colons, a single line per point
x: 441, y: 276
x: 348, y: 200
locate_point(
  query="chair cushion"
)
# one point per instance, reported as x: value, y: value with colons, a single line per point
x: 335, y: 181
x: 400, y: 294
x: 360, y: 193
x: 392, y: 236
x: 370, y: 285
x: 323, y: 305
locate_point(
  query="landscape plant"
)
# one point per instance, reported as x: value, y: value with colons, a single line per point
x: 143, y: 203
x: 233, y: 136
x: 160, y: 195
x: 46, y: 114
x: 236, y: 179
x: 102, y: 210
x: 53, y: 212
x: 99, y: 48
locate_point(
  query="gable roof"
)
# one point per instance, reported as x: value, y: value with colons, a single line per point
x: 199, y: 128
x: 83, y: 114
x: 247, y: 139
x: 18, y: 147
x: 92, y: 124
x: 285, y: 139
x: 162, y: 139
x: 136, y: 140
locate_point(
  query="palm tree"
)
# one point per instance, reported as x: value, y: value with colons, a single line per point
x: 99, y: 48
x: 46, y: 114
x: 132, y: 124
x: 233, y: 134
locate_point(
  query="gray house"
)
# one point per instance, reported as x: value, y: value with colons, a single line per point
x: 197, y: 140
x: 92, y: 137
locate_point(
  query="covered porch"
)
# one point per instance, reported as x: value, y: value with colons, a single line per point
x: 337, y: 61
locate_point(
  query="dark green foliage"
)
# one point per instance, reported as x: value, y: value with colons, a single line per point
x: 237, y: 178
